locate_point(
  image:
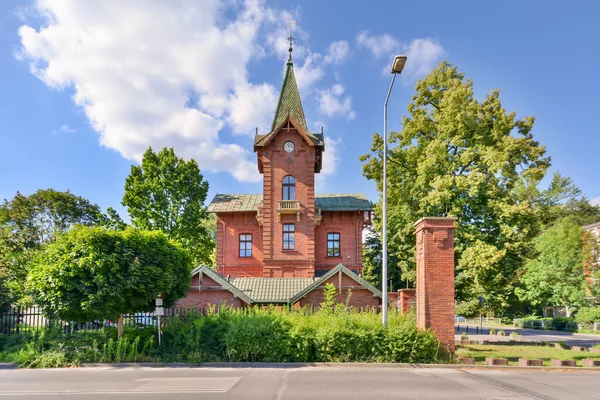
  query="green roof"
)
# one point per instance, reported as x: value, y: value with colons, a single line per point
x: 271, y: 290
x: 235, y: 203
x: 343, y: 202
x: 289, y: 103
x: 326, y: 202
x: 289, y: 106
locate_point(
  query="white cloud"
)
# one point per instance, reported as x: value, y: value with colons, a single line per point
x: 383, y: 45
x: 595, y: 201
x: 310, y: 72
x: 132, y: 66
x: 332, y: 103
x: 331, y: 160
x: 423, y: 53
x: 63, y: 129
x: 423, y: 56
x: 252, y: 107
x: 337, y: 52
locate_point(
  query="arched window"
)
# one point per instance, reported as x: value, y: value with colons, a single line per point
x: 289, y: 188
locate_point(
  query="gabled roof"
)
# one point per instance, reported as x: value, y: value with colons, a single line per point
x: 313, y: 139
x: 271, y: 290
x: 326, y: 202
x: 223, y: 282
x: 339, y: 268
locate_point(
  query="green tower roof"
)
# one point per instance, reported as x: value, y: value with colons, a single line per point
x: 289, y: 103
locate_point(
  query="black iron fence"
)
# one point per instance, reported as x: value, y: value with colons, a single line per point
x: 20, y: 319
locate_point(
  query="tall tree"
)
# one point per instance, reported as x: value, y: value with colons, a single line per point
x: 556, y: 276
x: 167, y: 193
x: 96, y: 273
x: 27, y: 223
x: 457, y: 156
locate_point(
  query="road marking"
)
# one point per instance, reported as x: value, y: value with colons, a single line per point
x: 105, y: 392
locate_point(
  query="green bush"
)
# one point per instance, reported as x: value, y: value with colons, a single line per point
x: 559, y: 323
x: 337, y: 334
x: 588, y: 315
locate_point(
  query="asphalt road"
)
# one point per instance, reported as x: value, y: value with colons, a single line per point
x: 314, y: 383
x: 532, y: 335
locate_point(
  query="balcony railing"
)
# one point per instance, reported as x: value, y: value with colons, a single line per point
x: 289, y: 207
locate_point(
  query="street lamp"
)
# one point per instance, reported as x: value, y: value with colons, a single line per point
x: 397, y: 67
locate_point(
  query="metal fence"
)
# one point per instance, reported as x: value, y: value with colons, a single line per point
x: 19, y: 320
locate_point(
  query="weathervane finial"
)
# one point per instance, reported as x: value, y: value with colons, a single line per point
x: 291, y: 39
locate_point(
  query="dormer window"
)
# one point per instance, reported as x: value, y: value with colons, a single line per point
x: 289, y: 188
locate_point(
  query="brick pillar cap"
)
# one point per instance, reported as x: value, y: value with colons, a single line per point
x: 406, y: 290
x: 435, y: 222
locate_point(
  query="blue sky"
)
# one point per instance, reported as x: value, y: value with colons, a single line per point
x: 87, y: 86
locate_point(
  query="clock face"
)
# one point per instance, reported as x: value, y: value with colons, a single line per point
x: 288, y: 146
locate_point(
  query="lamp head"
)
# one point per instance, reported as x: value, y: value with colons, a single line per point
x: 399, y: 63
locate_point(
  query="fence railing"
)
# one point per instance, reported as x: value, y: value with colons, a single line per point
x: 19, y: 320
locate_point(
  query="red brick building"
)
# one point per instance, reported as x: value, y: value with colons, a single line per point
x: 282, y: 246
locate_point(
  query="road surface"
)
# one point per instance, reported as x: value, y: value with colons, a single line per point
x: 311, y: 383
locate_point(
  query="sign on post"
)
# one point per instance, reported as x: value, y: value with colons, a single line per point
x: 160, y: 311
x: 159, y: 302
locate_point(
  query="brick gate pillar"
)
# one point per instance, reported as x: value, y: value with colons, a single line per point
x: 435, y: 277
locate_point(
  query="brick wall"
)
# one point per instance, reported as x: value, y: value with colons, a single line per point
x: 435, y: 277
x: 209, y: 295
x: 229, y: 228
x: 276, y: 164
x: 359, y: 296
x: 349, y: 224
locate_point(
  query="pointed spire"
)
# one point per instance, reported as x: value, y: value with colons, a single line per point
x: 289, y: 104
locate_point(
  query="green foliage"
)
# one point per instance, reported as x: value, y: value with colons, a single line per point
x: 27, y: 223
x: 52, y: 348
x: 558, y: 323
x: 588, y: 315
x: 461, y: 157
x: 556, y: 276
x: 167, y: 193
x: 458, y: 156
x: 398, y: 269
x: 264, y: 335
x: 113, y: 220
x: 95, y: 273
x: 329, y: 297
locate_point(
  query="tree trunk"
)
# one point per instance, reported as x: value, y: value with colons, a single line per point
x: 121, y: 325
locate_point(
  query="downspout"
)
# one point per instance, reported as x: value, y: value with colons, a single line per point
x: 224, y: 235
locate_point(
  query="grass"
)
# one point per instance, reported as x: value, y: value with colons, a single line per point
x: 514, y: 352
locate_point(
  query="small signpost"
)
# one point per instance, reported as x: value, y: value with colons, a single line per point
x: 160, y: 311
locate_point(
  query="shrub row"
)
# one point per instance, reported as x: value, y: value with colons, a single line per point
x: 247, y: 335
x: 559, y: 323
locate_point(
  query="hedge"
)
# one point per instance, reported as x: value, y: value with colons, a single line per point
x: 245, y: 335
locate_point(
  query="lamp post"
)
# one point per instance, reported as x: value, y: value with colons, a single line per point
x: 397, y: 67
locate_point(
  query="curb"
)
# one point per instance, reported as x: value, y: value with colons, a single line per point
x: 334, y: 365
x: 284, y: 365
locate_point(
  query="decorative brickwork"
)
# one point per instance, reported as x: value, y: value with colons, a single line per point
x: 435, y: 277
